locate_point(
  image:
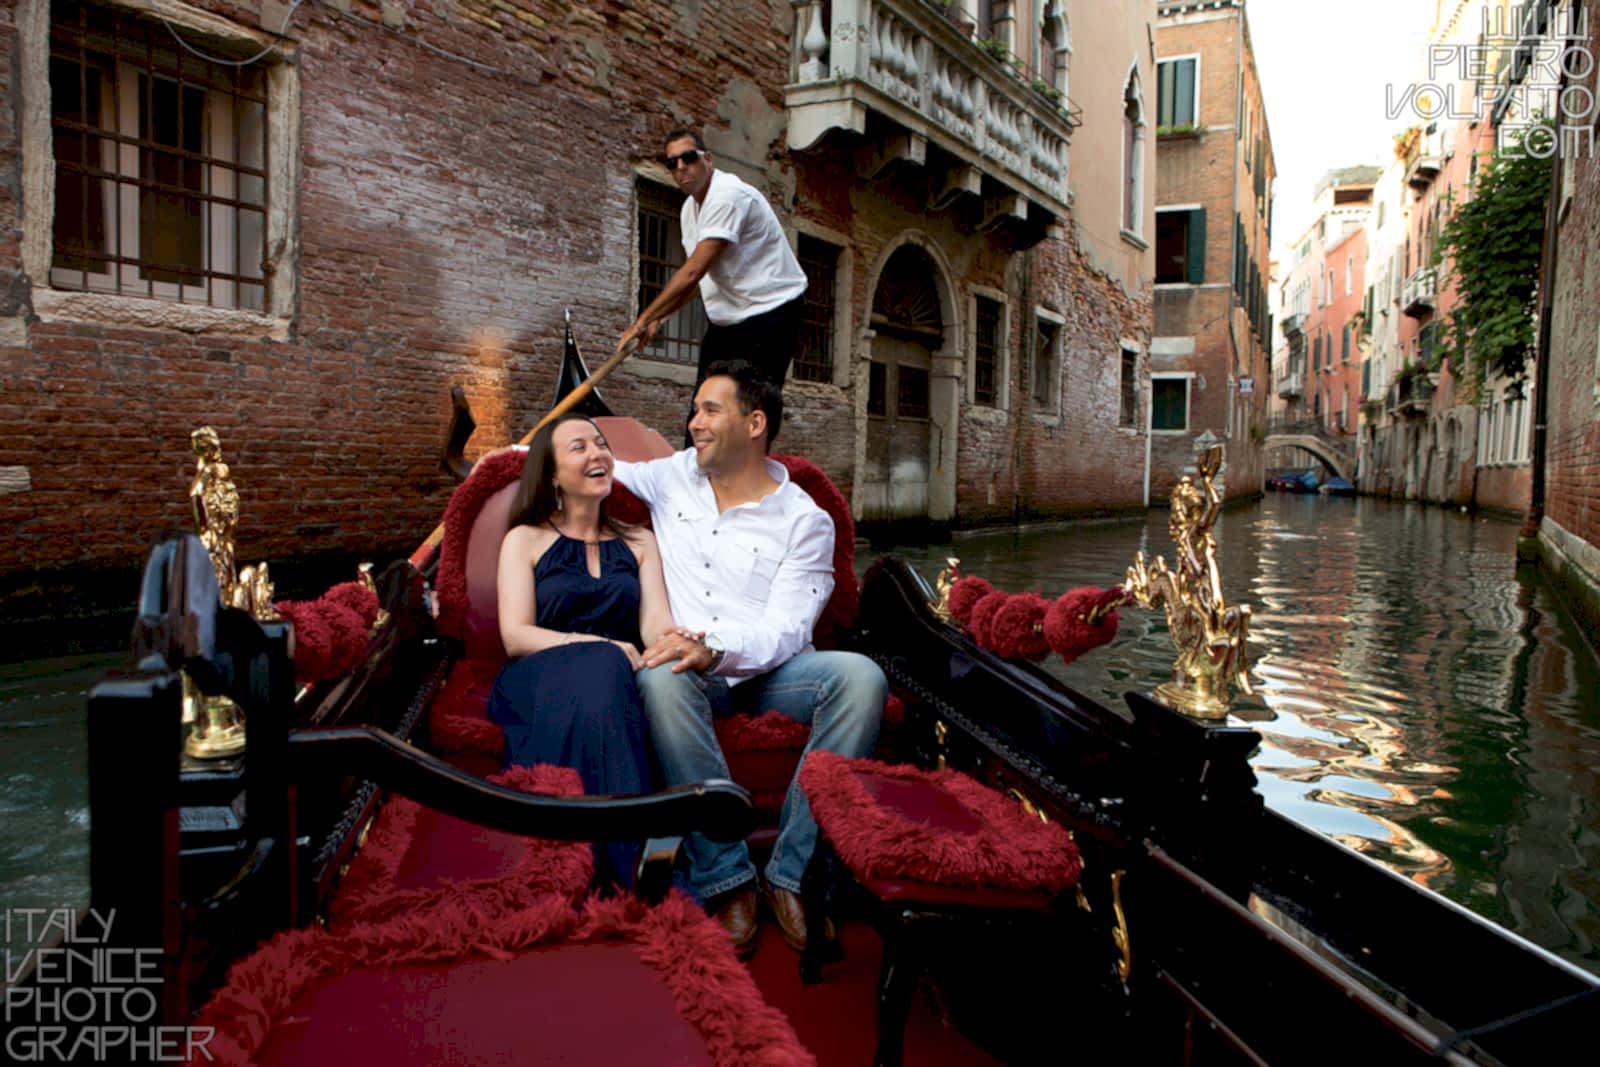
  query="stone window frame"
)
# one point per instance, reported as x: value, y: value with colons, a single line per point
x: 1187, y: 377
x: 1050, y: 415
x: 1131, y: 193
x: 1002, y: 369
x: 843, y: 286
x: 283, y: 174
x: 1128, y: 418
x: 1194, y: 111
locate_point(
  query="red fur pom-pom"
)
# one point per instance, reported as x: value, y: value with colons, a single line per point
x: 1016, y: 631
x: 329, y: 638
x: 965, y: 593
x: 357, y: 597
x: 1065, y: 630
x: 983, y: 613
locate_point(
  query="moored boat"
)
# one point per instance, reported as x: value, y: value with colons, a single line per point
x: 1204, y: 929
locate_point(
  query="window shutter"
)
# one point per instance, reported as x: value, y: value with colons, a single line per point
x: 1195, y: 253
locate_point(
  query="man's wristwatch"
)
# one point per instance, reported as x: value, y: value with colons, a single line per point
x: 717, y: 652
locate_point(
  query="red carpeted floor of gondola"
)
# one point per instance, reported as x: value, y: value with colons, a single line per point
x: 837, y: 1019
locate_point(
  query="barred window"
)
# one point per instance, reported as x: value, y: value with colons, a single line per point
x: 820, y: 261
x: 660, y: 256
x: 1130, y: 388
x: 986, y: 352
x: 161, y: 164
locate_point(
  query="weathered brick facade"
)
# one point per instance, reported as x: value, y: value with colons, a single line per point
x: 1570, y: 531
x: 462, y: 176
x: 1211, y: 322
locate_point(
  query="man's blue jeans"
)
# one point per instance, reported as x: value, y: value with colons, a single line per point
x: 840, y: 694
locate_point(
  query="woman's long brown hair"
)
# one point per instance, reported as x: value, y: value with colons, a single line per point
x: 536, y: 498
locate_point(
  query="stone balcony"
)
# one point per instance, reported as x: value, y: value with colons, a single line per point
x: 1291, y: 385
x: 1420, y: 293
x: 901, y: 74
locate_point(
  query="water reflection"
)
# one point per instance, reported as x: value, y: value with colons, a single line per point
x: 1418, y: 698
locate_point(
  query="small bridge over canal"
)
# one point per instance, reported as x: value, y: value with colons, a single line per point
x: 1335, y: 451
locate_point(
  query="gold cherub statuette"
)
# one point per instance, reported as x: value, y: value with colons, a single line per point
x: 214, y: 501
x: 947, y: 578
x: 1211, y: 636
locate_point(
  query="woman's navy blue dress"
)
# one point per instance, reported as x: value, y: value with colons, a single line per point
x: 577, y: 705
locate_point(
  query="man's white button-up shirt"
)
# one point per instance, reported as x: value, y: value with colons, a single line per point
x: 756, y: 577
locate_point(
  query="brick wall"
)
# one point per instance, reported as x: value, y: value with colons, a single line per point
x: 450, y: 207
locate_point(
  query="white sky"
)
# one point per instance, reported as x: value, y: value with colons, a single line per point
x: 1325, y: 69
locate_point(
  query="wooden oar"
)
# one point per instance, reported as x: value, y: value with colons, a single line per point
x: 567, y: 403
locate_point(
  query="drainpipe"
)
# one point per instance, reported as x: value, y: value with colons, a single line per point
x: 1239, y: 147
x: 1541, y: 359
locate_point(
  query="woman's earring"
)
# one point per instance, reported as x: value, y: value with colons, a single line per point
x: 560, y: 503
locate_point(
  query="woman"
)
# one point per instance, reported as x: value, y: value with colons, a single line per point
x: 579, y: 596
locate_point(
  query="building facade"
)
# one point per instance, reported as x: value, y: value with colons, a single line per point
x: 1567, y: 509
x: 1210, y: 357
x: 303, y: 224
x: 1492, y: 71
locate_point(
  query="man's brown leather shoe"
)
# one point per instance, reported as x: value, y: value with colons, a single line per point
x: 786, y: 908
x: 736, y: 910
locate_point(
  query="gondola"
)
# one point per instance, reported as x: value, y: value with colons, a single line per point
x: 1205, y: 928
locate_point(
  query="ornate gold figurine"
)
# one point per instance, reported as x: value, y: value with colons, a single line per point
x: 215, y: 503
x: 947, y: 578
x: 1211, y: 636
x: 216, y: 725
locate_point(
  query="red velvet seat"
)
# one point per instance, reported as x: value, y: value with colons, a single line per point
x: 416, y: 857
x: 924, y: 846
x: 615, y: 981
x: 762, y: 751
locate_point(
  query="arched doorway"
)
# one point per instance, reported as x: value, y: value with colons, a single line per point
x: 908, y: 330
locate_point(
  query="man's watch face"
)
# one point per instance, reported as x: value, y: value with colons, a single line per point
x: 711, y: 641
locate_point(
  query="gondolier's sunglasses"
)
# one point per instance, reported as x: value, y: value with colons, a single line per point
x: 691, y: 156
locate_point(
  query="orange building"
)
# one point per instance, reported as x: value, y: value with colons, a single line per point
x: 1209, y: 357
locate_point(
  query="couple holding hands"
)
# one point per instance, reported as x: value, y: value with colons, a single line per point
x: 627, y: 644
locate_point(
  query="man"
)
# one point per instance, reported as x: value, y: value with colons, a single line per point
x: 748, y: 558
x: 752, y: 284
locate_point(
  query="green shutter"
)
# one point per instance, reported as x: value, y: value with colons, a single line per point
x: 1195, y: 253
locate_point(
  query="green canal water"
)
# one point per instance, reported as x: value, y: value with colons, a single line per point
x: 1420, y: 699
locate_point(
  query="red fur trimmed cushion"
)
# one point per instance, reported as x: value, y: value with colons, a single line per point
x: 456, y: 722
x: 939, y: 827
x: 269, y: 999
x: 493, y: 473
x: 494, y: 871
x: 772, y: 731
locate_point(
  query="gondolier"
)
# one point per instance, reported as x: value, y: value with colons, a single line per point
x: 741, y: 262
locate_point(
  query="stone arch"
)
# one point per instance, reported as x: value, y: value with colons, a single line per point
x: 1135, y: 123
x: 942, y: 345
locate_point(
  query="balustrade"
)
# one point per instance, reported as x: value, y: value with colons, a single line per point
x: 904, y: 60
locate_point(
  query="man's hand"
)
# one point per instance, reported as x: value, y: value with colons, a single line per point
x: 639, y: 335
x: 682, y: 645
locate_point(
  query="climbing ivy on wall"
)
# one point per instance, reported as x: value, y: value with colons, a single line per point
x: 1490, y: 250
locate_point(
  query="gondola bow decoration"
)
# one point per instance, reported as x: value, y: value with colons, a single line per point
x: 1211, y: 636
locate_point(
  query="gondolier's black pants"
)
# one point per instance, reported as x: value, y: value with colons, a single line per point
x: 770, y: 340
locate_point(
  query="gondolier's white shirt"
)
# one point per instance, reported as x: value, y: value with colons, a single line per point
x: 757, y: 271
x: 756, y: 576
